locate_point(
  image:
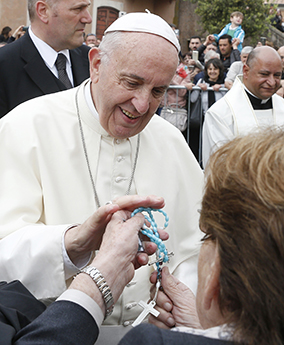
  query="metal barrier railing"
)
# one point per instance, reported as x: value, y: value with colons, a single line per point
x: 189, y: 110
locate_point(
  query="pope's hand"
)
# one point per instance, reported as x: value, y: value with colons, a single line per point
x: 81, y: 240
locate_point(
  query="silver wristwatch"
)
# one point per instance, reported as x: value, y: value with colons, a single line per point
x: 102, y: 285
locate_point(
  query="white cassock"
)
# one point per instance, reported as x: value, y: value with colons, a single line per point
x: 45, y: 188
x: 234, y: 115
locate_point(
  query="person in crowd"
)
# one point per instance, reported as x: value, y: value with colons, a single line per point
x: 228, y: 50
x: 50, y: 57
x: 209, y: 44
x: 277, y: 20
x: 211, y: 54
x: 5, y: 34
x: 91, y: 39
x: 234, y: 29
x: 193, y: 66
x: 77, y: 314
x: 70, y: 152
x: 174, y: 102
x: 272, y: 10
x: 18, y: 33
x: 213, y: 78
x: 175, y: 29
x: 194, y: 42
x: 188, y: 60
x: 280, y: 51
x: 236, y: 67
x: 250, y: 104
x: 241, y: 263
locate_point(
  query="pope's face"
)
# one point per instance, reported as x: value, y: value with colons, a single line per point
x: 128, y: 88
x: 263, y: 77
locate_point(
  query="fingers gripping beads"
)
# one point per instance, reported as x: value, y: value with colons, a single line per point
x: 152, y: 232
x: 162, y: 256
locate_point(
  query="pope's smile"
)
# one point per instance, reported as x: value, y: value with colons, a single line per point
x: 129, y: 115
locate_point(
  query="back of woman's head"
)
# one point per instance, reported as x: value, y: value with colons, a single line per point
x: 243, y: 208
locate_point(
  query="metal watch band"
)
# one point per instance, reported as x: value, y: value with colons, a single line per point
x: 102, y: 285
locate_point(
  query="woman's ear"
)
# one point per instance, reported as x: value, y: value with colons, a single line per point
x: 95, y: 62
x: 211, y: 293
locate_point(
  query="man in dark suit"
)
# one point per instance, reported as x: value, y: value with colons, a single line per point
x: 28, y: 67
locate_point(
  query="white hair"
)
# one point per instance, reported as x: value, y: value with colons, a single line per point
x: 210, y: 55
x: 247, y: 50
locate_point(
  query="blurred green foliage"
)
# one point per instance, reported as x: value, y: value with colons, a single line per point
x: 215, y: 14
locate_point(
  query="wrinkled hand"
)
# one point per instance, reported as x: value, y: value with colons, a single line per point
x: 118, y: 257
x: 81, y: 240
x: 176, y: 303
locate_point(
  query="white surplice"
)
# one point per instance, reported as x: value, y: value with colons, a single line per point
x: 234, y: 115
x: 45, y: 187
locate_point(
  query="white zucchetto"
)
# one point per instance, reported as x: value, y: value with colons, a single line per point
x: 145, y: 22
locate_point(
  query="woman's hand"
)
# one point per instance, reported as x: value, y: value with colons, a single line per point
x: 176, y: 303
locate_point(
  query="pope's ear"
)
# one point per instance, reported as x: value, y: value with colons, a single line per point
x: 95, y: 62
x: 211, y: 293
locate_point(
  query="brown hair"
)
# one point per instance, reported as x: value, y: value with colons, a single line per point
x: 243, y: 210
x: 237, y: 13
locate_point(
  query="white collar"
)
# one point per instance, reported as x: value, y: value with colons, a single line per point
x: 48, y: 54
x: 89, y: 100
x: 218, y: 332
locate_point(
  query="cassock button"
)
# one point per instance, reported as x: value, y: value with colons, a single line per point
x: 127, y: 323
x: 131, y: 283
x: 131, y: 305
x: 118, y: 141
x: 119, y: 158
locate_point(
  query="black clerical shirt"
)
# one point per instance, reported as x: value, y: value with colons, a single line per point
x: 259, y: 104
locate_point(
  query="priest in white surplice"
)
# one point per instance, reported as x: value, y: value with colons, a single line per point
x: 250, y: 104
x: 63, y: 155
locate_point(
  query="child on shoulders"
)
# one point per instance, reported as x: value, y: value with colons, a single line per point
x: 234, y: 29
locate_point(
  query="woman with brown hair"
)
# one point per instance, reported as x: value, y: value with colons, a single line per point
x: 241, y: 264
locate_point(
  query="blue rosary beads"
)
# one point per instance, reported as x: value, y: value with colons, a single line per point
x: 162, y: 253
x: 162, y: 256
